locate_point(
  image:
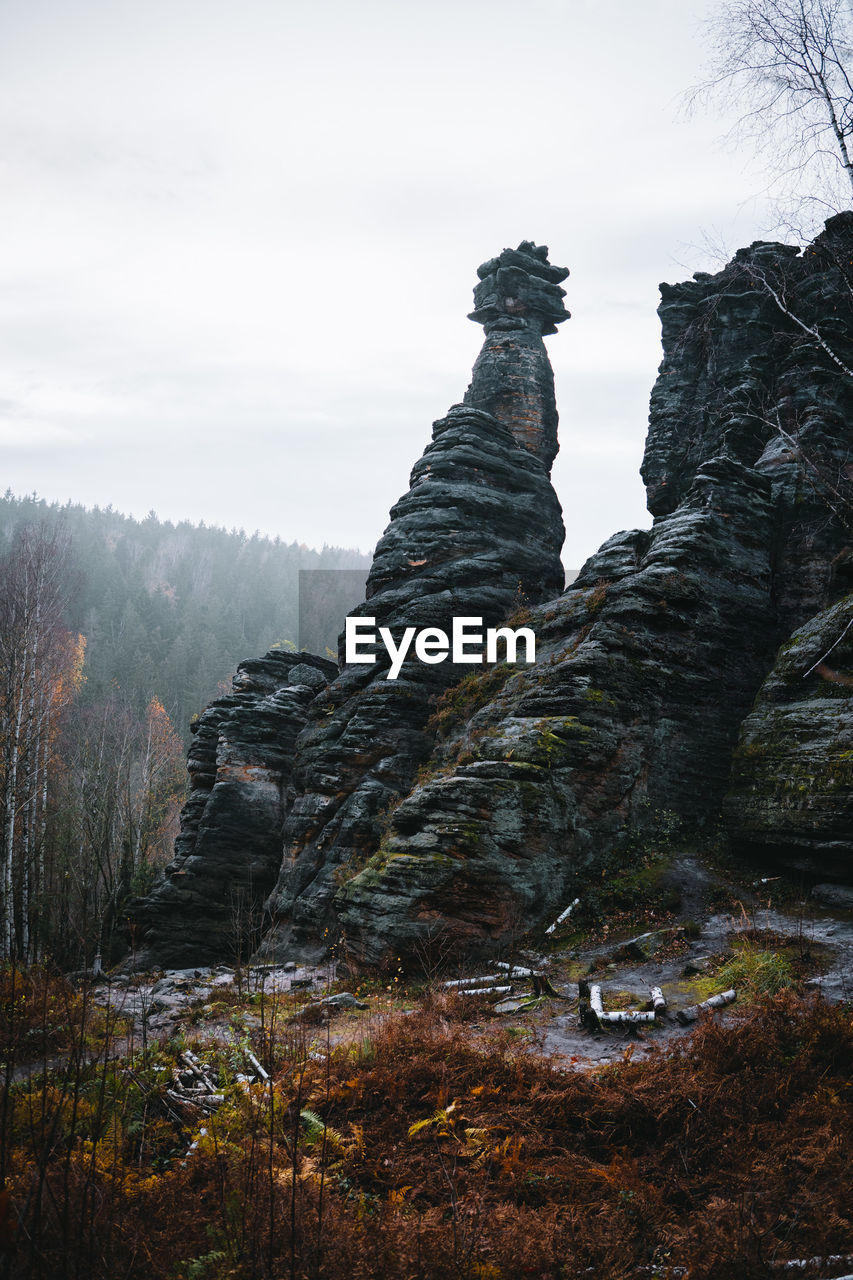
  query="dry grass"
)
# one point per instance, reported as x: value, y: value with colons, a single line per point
x: 435, y: 1149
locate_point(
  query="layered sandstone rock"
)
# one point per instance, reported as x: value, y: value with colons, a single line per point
x: 478, y: 534
x: 758, y: 360
x: 518, y: 300
x: 632, y: 708
x: 463, y: 805
x: 208, y: 907
x: 791, y: 798
x: 648, y: 665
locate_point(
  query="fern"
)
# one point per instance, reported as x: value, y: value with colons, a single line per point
x: 316, y: 1127
x: 444, y: 1120
x: 419, y: 1125
x: 197, y: 1268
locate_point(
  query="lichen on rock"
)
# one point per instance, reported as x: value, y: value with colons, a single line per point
x: 791, y: 798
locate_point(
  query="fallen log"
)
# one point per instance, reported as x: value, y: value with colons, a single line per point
x: 488, y: 981
x: 619, y: 1016
x: 514, y: 970
x: 202, y: 1133
x: 195, y: 1067
x: 693, y: 1011
x: 564, y: 915
x: 191, y: 1104
x: 259, y: 1070
x: 658, y: 1002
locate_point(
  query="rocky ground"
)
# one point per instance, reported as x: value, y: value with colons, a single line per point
x: 440, y: 1124
x: 709, y: 921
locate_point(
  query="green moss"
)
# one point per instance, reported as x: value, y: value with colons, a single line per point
x: 598, y: 696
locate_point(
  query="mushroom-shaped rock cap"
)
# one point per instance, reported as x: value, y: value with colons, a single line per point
x: 520, y: 289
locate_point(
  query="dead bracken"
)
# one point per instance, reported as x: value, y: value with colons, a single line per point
x: 424, y: 1143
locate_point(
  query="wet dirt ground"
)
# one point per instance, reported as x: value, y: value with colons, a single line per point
x: 202, y: 1000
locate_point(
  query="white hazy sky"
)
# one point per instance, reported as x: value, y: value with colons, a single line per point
x: 238, y: 240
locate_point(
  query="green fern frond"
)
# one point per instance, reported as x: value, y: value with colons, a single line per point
x: 419, y: 1125
x: 315, y: 1127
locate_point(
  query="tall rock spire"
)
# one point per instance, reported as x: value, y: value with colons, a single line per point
x: 477, y: 535
x: 518, y: 300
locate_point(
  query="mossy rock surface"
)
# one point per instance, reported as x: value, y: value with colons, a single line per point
x: 792, y: 781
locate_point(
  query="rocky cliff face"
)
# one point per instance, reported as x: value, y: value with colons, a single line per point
x: 648, y: 665
x: 633, y: 706
x: 208, y: 906
x: 464, y: 803
x: 478, y: 534
x: 791, y: 798
x: 757, y: 362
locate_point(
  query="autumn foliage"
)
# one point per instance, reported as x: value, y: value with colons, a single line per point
x: 431, y: 1148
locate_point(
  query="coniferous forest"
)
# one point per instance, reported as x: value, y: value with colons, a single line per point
x: 168, y: 610
x: 114, y: 634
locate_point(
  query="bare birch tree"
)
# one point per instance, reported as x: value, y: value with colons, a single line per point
x: 37, y: 655
x: 787, y: 66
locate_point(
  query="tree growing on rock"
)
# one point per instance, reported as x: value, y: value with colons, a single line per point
x: 788, y: 67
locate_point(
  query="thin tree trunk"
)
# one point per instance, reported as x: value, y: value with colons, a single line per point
x: 29, y: 683
x: 10, y: 802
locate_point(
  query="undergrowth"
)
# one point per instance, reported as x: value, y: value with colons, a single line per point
x: 626, y: 890
x: 430, y: 1147
x: 455, y: 706
x: 756, y: 971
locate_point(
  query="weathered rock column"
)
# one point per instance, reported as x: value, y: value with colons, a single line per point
x: 477, y: 534
x: 518, y: 300
x: 208, y: 906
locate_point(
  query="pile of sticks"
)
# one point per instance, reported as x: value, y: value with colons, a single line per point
x: 504, y: 983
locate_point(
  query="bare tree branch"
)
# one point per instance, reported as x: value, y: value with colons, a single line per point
x: 788, y: 65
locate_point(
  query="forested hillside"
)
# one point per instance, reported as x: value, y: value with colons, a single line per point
x: 169, y: 610
x: 114, y: 633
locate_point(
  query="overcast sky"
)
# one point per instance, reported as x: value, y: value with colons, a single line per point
x: 238, y: 240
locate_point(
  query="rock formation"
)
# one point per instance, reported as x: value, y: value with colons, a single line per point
x: 477, y: 535
x: 649, y: 663
x: 208, y: 906
x: 632, y: 707
x: 464, y: 804
x: 518, y: 300
x: 791, y: 798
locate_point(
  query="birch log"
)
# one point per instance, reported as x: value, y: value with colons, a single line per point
x: 627, y: 1016
x: 692, y: 1012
